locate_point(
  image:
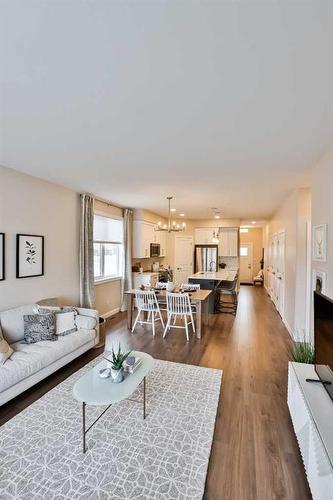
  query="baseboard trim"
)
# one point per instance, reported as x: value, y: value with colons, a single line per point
x: 290, y: 331
x: 112, y: 312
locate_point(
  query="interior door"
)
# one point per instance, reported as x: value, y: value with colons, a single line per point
x: 246, y: 263
x: 183, y: 258
x: 280, y: 276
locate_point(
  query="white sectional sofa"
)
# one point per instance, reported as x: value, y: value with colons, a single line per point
x: 30, y: 363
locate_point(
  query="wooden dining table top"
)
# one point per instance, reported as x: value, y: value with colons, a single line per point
x: 195, y: 296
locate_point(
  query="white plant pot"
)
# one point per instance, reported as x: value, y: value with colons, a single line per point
x: 170, y: 286
x: 117, y: 375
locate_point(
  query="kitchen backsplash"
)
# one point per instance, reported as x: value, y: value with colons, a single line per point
x: 231, y: 262
x: 147, y: 263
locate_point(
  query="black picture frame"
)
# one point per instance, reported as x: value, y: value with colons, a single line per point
x: 3, y: 260
x: 19, y: 271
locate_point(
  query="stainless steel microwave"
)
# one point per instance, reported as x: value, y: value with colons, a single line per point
x: 155, y: 249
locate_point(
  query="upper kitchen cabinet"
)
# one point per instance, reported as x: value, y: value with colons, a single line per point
x: 228, y: 244
x: 161, y: 238
x: 204, y: 235
x: 143, y: 235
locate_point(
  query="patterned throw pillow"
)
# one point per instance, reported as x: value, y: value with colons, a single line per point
x: 39, y: 327
x: 5, y: 350
x: 65, y: 319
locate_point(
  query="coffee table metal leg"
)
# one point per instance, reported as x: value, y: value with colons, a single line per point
x: 144, y: 397
x: 84, y: 426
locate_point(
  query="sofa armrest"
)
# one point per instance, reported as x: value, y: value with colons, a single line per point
x: 92, y: 313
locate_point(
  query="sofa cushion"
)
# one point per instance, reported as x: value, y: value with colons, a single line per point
x: 28, y: 359
x: 12, y: 322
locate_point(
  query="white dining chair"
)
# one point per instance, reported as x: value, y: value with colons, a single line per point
x: 179, y: 305
x: 146, y: 303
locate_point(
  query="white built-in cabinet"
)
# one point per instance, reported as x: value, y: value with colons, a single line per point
x: 143, y: 235
x: 276, y: 270
x: 204, y: 235
x: 311, y: 411
x: 228, y: 242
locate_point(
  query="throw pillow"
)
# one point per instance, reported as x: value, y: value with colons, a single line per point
x: 65, y: 322
x: 65, y: 318
x: 5, y: 350
x: 38, y: 327
x: 85, y: 322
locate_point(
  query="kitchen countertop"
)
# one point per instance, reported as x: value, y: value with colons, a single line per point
x: 223, y: 274
x: 145, y: 272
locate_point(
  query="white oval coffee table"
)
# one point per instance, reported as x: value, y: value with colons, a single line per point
x: 91, y: 389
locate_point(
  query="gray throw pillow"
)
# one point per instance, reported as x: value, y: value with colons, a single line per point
x: 39, y: 327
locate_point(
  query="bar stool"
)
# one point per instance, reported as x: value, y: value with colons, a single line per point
x: 230, y: 289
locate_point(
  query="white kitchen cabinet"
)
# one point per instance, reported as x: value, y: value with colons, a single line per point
x: 161, y: 238
x: 143, y: 236
x: 228, y: 242
x: 204, y: 235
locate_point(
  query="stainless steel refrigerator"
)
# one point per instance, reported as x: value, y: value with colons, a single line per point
x: 206, y: 258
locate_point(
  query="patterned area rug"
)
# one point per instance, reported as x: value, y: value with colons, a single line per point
x: 163, y: 457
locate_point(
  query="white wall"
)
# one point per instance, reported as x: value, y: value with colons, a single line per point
x: 292, y: 217
x: 322, y: 212
x: 30, y: 205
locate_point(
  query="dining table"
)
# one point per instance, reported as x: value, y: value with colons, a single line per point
x: 198, y: 298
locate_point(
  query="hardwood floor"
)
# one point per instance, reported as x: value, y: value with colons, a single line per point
x: 255, y: 455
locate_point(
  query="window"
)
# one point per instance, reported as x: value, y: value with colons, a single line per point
x: 244, y: 251
x: 108, y: 248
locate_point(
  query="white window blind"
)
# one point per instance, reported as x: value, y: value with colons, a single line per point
x: 108, y: 248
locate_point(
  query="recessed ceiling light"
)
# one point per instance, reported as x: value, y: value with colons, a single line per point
x: 216, y: 216
x: 253, y: 222
x: 173, y: 209
x: 181, y: 215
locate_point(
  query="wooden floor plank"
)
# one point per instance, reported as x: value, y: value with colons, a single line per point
x: 254, y: 454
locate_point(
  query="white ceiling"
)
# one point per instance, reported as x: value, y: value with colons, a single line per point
x: 222, y: 104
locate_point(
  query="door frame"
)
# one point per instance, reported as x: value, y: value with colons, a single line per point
x: 282, y: 312
x: 250, y: 244
x: 189, y: 238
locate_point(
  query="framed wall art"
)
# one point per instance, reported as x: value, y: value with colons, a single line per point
x: 29, y: 255
x: 319, y: 243
x: 2, y: 257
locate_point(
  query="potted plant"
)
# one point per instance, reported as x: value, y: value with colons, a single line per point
x: 170, y: 286
x: 117, y: 361
x: 302, y: 352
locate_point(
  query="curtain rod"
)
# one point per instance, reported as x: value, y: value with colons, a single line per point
x: 108, y: 202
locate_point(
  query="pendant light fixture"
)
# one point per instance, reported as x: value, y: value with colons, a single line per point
x: 170, y: 227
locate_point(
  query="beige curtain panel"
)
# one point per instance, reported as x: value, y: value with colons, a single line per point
x: 126, y: 282
x: 87, y: 289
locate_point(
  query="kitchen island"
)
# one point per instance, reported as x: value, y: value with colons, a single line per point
x: 210, y: 280
x: 221, y: 275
